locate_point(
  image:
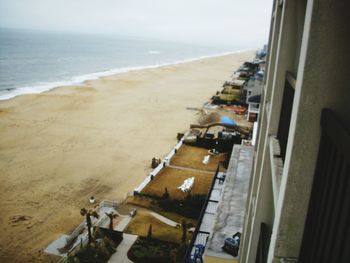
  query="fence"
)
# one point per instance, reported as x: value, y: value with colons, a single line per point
x: 159, y: 168
x: 76, y: 232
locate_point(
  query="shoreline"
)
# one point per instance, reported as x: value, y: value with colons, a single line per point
x: 60, y: 147
x: 81, y: 79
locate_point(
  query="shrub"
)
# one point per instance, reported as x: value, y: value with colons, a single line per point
x: 181, y: 251
x: 101, y: 253
x: 109, y: 245
x: 98, y: 252
x: 154, y: 251
x: 149, y: 234
x: 190, y: 207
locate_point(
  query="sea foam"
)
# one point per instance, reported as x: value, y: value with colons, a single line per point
x: 77, y: 80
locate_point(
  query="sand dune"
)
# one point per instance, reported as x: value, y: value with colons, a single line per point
x: 60, y: 147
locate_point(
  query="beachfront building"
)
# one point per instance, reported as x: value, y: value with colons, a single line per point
x: 253, y: 90
x: 253, y: 108
x: 298, y: 204
x: 253, y: 86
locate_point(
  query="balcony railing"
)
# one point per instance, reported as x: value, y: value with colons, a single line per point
x: 264, y: 244
x: 253, y: 107
x: 286, y: 113
x: 187, y: 257
x: 326, y: 235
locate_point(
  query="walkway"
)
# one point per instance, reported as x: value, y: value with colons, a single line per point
x: 190, y: 169
x: 230, y: 212
x: 121, y: 255
x: 209, y: 214
x: 123, y: 223
x: 224, y: 213
x: 164, y: 219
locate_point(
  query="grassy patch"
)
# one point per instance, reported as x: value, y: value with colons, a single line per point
x: 139, y: 225
x: 149, y: 203
x: 190, y: 207
x: 192, y: 157
x: 172, y: 178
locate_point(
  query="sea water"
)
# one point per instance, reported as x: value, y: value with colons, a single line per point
x: 35, y: 61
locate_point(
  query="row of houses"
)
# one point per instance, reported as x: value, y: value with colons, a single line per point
x: 245, y: 87
x: 222, y: 216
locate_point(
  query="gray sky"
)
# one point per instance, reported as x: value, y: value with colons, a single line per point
x: 210, y: 21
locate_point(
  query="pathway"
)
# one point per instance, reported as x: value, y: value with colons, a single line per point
x: 123, y: 223
x: 230, y: 211
x: 190, y: 169
x: 164, y: 219
x: 120, y: 256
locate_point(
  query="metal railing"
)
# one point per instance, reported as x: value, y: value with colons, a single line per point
x: 286, y: 113
x: 264, y: 244
x: 326, y: 234
x: 187, y: 257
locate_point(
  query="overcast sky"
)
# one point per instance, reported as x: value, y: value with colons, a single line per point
x: 210, y: 21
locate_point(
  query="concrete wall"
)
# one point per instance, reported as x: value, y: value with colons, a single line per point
x: 253, y: 216
x: 310, y: 39
x: 322, y: 82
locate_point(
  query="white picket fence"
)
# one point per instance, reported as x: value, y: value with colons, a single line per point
x: 161, y: 166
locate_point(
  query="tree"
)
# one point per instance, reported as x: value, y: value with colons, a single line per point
x: 166, y: 194
x: 149, y: 235
x: 184, y: 231
x: 88, y: 214
x: 185, y: 227
x: 111, y: 216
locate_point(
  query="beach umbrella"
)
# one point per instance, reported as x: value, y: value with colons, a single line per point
x: 227, y: 120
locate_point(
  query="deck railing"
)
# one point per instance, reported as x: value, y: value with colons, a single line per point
x: 187, y: 257
x: 286, y: 113
x: 254, y: 107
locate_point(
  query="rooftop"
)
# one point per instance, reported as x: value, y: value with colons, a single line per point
x: 224, y: 213
x: 229, y: 216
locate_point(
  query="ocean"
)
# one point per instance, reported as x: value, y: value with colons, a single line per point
x: 34, y: 61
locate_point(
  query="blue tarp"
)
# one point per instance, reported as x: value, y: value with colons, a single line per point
x: 227, y: 120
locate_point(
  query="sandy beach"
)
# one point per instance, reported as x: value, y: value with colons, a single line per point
x: 60, y: 147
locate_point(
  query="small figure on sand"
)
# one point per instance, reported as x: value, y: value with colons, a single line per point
x: 155, y: 162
